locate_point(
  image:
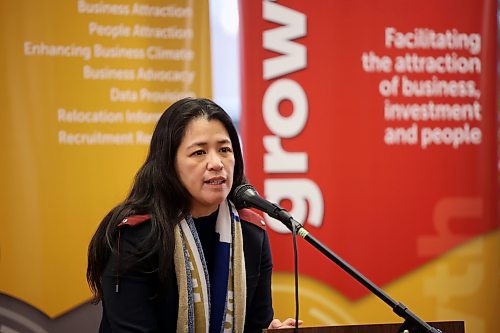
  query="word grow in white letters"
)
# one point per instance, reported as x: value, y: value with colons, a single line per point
x: 302, y: 192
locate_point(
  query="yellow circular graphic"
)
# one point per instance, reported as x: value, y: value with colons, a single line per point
x: 320, y: 305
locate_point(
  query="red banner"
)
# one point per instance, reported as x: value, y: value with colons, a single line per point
x: 374, y: 122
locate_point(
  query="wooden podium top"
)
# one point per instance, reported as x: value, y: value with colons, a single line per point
x: 445, y: 326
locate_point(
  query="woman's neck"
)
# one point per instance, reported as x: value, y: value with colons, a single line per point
x: 196, y: 213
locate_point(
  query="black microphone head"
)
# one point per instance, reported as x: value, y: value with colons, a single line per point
x: 245, y: 196
x: 241, y: 193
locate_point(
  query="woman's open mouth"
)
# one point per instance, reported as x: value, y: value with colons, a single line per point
x: 215, y: 181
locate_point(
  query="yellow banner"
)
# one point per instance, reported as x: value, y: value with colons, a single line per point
x: 83, y: 83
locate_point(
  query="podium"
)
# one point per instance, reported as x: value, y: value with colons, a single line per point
x: 444, y: 326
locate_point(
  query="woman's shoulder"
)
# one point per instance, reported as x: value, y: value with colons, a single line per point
x: 255, y: 238
x: 248, y: 216
x: 132, y: 253
x: 135, y: 228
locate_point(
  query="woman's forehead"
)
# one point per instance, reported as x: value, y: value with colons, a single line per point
x: 203, y: 129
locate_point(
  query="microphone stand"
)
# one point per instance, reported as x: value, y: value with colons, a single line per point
x: 412, y: 323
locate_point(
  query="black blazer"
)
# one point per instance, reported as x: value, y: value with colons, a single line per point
x: 142, y: 306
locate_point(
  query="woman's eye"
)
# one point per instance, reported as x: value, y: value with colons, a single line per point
x: 198, y: 153
x: 226, y: 149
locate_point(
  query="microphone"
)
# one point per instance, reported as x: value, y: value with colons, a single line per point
x: 245, y: 196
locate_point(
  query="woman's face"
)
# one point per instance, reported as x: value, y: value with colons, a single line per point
x: 205, y: 164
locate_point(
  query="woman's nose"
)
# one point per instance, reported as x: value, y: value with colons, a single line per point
x: 214, y: 162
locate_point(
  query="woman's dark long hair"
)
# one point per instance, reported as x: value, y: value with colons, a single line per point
x: 158, y: 191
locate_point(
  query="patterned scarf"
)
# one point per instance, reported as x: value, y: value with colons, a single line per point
x: 220, y: 307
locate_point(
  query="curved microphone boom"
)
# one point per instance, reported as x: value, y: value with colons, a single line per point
x: 245, y: 196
